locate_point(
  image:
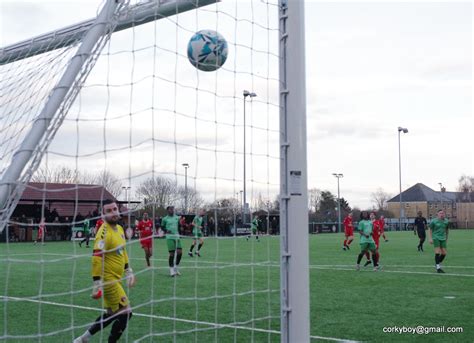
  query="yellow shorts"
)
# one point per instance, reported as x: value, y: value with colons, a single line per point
x: 114, y: 296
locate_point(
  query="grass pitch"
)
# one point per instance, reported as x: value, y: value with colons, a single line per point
x: 231, y: 294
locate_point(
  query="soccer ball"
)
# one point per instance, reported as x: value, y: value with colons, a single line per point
x: 207, y: 50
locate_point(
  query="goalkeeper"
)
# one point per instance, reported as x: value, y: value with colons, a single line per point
x: 109, y: 263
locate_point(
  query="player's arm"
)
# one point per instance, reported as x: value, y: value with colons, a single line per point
x: 430, y: 236
x: 129, y: 276
x: 98, y: 264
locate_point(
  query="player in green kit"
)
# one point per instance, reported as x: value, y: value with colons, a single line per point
x: 86, y: 231
x: 197, y: 233
x: 367, y: 242
x: 438, y: 236
x: 254, y: 228
x: 170, y: 224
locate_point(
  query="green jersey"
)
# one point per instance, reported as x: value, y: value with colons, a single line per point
x: 87, y: 227
x: 438, y: 229
x: 197, y: 224
x: 171, y: 225
x: 365, y: 228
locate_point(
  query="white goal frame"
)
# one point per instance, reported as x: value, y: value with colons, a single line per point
x: 294, y: 251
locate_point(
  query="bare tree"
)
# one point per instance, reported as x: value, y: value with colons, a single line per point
x: 65, y: 174
x: 56, y: 174
x: 466, y: 184
x: 194, y: 199
x: 160, y: 191
x: 380, y: 198
x: 314, y: 199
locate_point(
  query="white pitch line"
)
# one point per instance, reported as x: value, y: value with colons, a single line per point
x: 394, y: 271
x: 189, y: 321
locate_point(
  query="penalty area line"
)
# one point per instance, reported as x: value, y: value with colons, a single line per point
x: 188, y: 321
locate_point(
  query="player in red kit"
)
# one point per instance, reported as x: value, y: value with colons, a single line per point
x: 382, y: 227
x: 41, y: 231
x: 145, y: 229
x: 376, y: 233
x: 98, y: 224
x: 348, y: 231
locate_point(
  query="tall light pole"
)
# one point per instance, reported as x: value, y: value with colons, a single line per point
x: 400, y: 130
x: 338, y: 176
x: 126, y: 189
x: 251, y: 95
x: 186, y: 166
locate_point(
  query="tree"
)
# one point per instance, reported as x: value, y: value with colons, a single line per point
x: 466, y: 187
x: 193, y: 198
x: 56, y: 174
x: 65, y: 174
x: 159, y: 191
x: 328, y: 206
x: 314, y: 198
x: 380, y: 198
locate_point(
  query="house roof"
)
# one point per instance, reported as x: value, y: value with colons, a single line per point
x: 423, y: 193
x: 67, y: 199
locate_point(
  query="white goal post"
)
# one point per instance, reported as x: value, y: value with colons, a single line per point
x: 91, y: 36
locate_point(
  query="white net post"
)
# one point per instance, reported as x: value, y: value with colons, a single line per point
x: 293, y: 192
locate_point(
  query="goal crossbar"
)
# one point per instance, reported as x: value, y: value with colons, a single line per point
x: 138, y: 14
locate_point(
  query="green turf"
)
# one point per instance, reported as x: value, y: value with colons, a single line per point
x: 236, y: 281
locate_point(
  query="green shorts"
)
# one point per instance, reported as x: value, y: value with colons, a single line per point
x: 439, y: 244
x: 367, y: 246
x: 254, y: 231
x: 197, y: 234
x: 173, y: 244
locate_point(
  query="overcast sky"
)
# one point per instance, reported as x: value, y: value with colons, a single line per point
x: 371, y: 67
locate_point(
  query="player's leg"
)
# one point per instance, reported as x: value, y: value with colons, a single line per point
x: 201, y: 243
x: 117, y: 310
x: 349, y: 240
x: 443, y: 252
x: 422, y: 237
x: 384, y: 237
x: 375, y: 257
x: 179, y: 253
x: 171, y: 250
x: 437, y: 251
x: 146, y: 249
x: 193, y: 244
x: 367, y: 255
x: 88, y: 238
x: 345, y: 242
x: 363, y: 250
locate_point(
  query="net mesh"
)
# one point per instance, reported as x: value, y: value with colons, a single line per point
x: 142, y: 113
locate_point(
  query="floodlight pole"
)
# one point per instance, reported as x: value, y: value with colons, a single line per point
x: 294, y: 251
x: 400, y: 130
x: 338, y: 176
x: 245, y: 94
x: 38, y: 130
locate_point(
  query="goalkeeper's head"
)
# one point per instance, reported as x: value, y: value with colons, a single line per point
x: 110, y: 212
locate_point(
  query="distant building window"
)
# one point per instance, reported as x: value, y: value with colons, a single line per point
x: 431, y: 206
x: 407, y: 205
x: 454, y: 205
x: 436, y: 206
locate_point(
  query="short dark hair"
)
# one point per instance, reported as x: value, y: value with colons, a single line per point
x: 169, y: 207
x: 440, y: 210
x: 107, y: 202
x: 364, y: 215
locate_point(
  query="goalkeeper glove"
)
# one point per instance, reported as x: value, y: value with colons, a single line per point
x: 97, y: 289
x: 131, y: 280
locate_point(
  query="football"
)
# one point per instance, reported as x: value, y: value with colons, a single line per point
x: 207, y: 50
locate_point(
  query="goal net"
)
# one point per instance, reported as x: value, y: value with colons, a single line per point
x: 112, y: 108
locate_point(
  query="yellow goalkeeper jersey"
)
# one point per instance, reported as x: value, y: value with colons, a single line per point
x: 109, y: 255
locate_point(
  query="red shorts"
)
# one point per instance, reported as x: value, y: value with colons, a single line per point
x: 349, y: 232
x: 146, y: 242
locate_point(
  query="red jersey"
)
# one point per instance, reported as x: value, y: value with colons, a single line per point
x: 41, y: 230
x: 98, y: 224
x: 376, y: 230
x: 145, y: 227
x: 347, y: 223
x: 382, y: 225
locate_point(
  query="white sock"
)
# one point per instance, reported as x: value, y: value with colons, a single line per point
x: 438, y: 266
